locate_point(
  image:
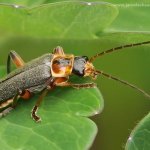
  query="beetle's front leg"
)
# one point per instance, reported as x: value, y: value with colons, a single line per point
x: 17, y: 60
x: 77, y: 86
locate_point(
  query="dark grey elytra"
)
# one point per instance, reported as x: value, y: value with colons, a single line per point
x: 32, y: 76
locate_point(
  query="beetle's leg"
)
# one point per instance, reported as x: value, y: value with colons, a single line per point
x: 63, y: 81
x: 50, y: 86
x: 17, y: 60
x: 15, y: 100
x: 77, y: 86
x: 10, y: 104
x: 5, y: 112
x: 26, y: 94
x: 58, y: 50
x: 35, y: 108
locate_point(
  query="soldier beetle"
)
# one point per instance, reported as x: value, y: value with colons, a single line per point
x: 48, y: 71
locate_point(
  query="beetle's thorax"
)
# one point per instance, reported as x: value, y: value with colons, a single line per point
x: 62, y: 65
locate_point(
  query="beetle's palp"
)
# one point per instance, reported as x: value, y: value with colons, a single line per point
x: 116, y: 49
x: 122, y: 81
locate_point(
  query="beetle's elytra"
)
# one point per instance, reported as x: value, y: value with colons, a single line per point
x: 46, y: 72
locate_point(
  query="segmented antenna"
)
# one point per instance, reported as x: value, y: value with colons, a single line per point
x: 122, y: 81
x: 117, y: 48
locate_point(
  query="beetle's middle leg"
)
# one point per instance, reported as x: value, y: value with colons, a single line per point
x: 35, y: 108
x: 50, y: 86
x: 17, y: 60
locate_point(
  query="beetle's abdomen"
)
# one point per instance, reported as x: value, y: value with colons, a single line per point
x: 29, y: 79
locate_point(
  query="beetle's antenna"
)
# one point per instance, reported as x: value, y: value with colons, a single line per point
x: 122, y: 81
x: 117, y: 48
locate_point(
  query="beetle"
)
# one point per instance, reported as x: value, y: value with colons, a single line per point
x: 48, y: 71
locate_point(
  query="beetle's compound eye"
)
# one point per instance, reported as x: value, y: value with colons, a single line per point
x: 62, y: 66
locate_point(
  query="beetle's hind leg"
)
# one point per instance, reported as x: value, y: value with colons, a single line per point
x: 8, y: 105
x: 16, y: 59
x: 5, y: 112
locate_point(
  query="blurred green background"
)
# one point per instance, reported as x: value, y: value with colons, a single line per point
x: 124, y: 107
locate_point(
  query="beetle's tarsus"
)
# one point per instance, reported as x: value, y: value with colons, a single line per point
x: 34, y: 115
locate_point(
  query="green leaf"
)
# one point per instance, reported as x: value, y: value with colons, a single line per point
x: 64, y: 124
x: 30, y: 3
x: 132, y: 17
x: 75, y: 20
x: 126, y: 28
x: 140, y: 136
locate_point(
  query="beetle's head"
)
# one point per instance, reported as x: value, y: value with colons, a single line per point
x: 83, y: 67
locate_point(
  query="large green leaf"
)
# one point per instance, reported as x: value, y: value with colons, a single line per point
x: 133, y: 64
x: 57, y: 20
x: 63, y: 125
x: 140, y: 136
x: 126, y: 69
